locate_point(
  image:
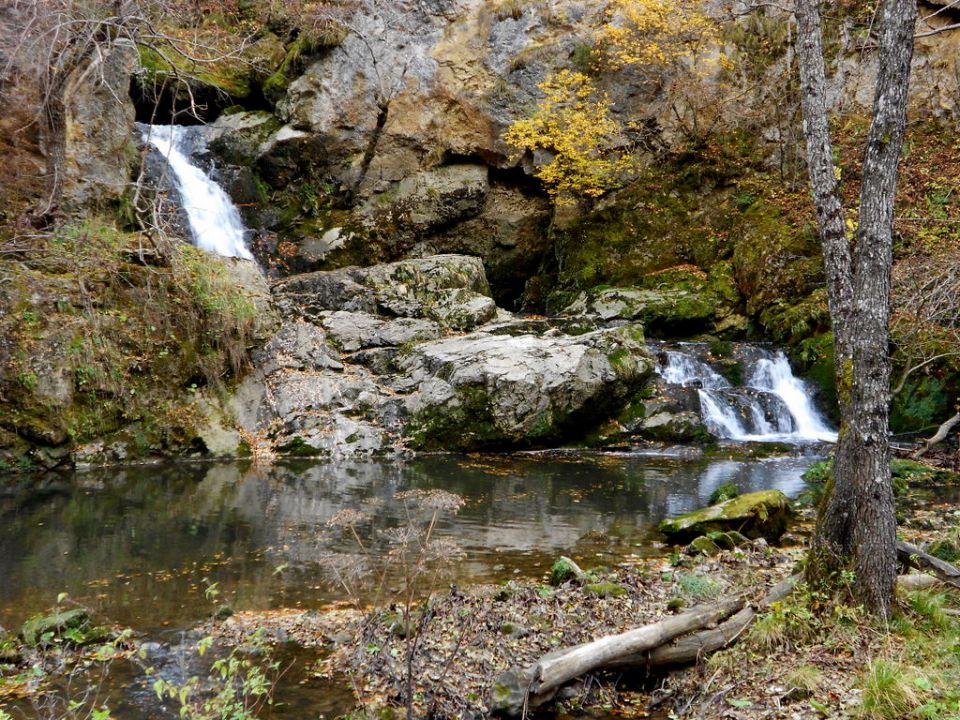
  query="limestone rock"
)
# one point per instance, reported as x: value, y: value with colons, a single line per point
x: 484, y: 390
x: 99, y: 147
x: 353, y: 331
x: 447, y: 194
x: 408, y: 288
x: 678, y: 309
x: 766, y: 514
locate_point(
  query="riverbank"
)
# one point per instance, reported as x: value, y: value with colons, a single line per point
x: 807, y: 656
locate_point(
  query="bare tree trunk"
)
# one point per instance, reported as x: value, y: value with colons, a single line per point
x: 856, y: 529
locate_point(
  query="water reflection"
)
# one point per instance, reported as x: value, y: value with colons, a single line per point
x: 140, y: 544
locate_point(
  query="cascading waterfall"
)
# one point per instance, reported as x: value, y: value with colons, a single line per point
x: 772, y: 405
x: 214, y: 220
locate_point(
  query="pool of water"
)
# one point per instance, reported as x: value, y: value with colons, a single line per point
x: 141, y: 545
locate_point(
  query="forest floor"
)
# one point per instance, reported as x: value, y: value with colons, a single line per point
x: 809, y: 656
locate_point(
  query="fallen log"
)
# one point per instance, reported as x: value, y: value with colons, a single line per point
x: 917, y: 582
x: 938, y: 436
x: 518, y: 689
x: 691, y: 649
x: 915, y: 557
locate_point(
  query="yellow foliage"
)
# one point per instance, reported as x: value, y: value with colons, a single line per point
x: 652, y: 33
x: 573, y: 122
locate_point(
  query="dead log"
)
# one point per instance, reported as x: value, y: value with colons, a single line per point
x: 693, y: 648
x: 915, y: 557
x: 918, y: 581
x: 938, y: 436
x: 518, y: 689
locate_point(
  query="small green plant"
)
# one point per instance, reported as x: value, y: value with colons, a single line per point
x: 237, y: 687
x: 805, y: 678
x: 29, y: 380
x: 697, y: 585
x: 723, y: 492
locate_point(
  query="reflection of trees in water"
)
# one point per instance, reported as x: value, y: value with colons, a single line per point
x: 234, y: 524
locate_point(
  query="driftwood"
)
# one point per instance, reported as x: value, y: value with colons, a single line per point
x: 939, y: 436
x: 694, y: 647
x: 518, y: 689
x: 915, y: 557
x: 918, y: 581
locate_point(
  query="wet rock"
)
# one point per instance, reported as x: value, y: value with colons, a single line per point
x: 765, y: 514
x: 43, y: 629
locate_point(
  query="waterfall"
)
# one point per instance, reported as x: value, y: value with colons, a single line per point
x: 772, y: 405
x: 214, y: 220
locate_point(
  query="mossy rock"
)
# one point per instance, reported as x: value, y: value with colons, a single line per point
x: 722, y: 540
x: 605, y: 589
x: 563, y: 571
x: 43, y: 629
x: 948, y: 550
x: 704, y: 545
x: 766, y: 514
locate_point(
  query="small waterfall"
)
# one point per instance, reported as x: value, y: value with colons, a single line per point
x: 772, y: 405
x: 214, y: 220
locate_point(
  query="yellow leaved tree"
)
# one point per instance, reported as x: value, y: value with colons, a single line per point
x: 574, y: 123
x: 653, y: 34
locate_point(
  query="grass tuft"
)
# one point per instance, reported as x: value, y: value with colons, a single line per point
x: 891, y: 690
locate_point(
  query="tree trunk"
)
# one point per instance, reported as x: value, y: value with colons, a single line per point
x: 856, y: 529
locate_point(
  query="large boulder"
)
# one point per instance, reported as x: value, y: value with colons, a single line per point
x: 766, y: 514
x: 450, y: 289
x: 494, y: 391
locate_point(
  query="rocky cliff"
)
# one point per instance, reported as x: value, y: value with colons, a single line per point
x: 370, y: 162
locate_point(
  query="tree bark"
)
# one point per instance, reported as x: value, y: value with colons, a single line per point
x: 856, y: 529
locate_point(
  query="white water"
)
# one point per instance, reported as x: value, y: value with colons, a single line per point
x: 214, y: 220
x: 775, y: 375
x: 773, y: 405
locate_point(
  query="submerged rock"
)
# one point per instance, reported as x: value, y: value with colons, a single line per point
x: 766, y: 514
x: 71, y: 626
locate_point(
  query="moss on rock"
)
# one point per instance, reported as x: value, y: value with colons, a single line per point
x: 766, y: 513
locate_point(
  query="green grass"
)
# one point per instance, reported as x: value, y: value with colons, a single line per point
x: 891, y: 690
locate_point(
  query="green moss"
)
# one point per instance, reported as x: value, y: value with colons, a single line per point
x: 766, y: 513
x: 561, y: 572
x: 723, y: 492
x: 605, y: 590
x: 119, y: 367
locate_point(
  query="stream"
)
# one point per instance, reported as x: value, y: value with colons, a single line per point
x: 140, y: 545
